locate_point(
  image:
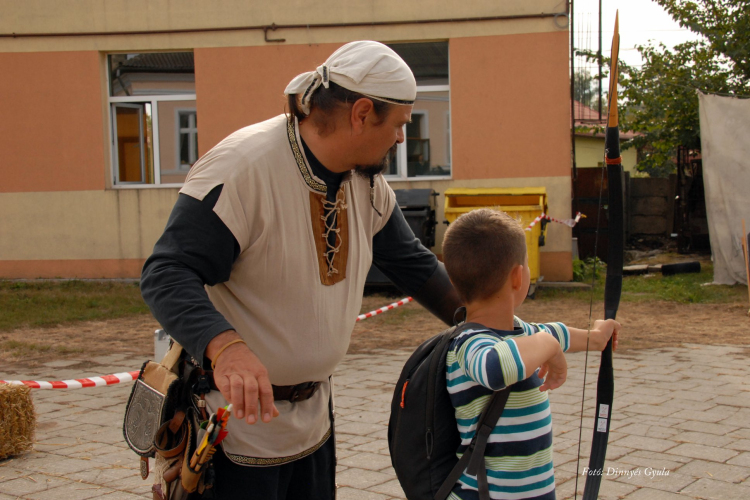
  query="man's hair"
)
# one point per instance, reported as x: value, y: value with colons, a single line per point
x: 480, y: 249
x: 329, y: 101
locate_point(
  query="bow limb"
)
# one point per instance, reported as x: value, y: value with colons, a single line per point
x: 613, y: 286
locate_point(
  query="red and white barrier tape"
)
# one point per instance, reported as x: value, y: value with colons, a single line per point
x: 567, y: 222
x: 79, y: 383
x: 116, y: 378
x: 384, y: 309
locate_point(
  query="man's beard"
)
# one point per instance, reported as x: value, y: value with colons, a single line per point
x: 370, y: 171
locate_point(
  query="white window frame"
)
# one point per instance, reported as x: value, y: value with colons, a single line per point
x: 154, y: 100
x: 192, y: 133
x: 401, y: 167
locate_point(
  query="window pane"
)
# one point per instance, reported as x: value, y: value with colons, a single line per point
x: 428, y: 136
x: 133, y: 144
x: 178, y: 139
x: 427, y: 145
x: 164, y: 73
x: 392, y: 168
x: 185, y: 150
x: 428, y: 61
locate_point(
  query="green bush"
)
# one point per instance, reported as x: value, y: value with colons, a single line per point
x: 583, y: 270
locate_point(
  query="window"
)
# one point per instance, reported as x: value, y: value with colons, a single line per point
x: 187, y: 140
x: 154, y: 121
x: 426, y: 151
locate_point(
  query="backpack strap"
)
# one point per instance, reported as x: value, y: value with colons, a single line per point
x: 472, y: 460
x: 477, y: 466
x: 440, y: 349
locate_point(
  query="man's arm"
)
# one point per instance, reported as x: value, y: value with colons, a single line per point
x: 198, y: 249
x: 413, y: 268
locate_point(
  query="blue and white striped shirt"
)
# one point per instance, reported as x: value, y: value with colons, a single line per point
x: 519, y: 451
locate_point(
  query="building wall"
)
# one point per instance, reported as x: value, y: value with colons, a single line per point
x: 82, y: 234
x: 509, y: 93
x: 95, y: 16
x: 51, y: 134
x: 66, y: 220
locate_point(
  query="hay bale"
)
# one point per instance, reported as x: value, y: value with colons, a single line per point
x: 17, y: 420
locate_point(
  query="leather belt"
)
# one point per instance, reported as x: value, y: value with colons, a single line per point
x: 291, y: 393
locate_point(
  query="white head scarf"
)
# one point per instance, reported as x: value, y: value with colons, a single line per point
x: 369, y: 68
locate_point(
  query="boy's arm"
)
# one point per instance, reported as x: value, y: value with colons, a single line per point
x: 600, y: 335
x: 498, y: 364
x: 557, y: 330
x: 574, y: 339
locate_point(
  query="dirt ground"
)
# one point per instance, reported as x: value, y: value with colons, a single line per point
x: 645, y: 325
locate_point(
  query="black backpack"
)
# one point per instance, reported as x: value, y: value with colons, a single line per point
x: 422, y: 432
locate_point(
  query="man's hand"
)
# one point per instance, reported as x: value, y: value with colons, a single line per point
x: 241, y: 378
x: 555, y: 370
x: 603, y: 330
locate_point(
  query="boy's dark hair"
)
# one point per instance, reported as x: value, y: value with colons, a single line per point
x: 479, y: 250
x: 329, y: 101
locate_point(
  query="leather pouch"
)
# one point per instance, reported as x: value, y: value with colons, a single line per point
x: 171, y: 445
x: 152, y: 401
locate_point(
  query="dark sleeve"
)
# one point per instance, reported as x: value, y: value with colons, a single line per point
x: 196, y: 249
x: 413, y: 268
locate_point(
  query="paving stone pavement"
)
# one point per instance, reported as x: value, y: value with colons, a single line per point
x: 681, y: 429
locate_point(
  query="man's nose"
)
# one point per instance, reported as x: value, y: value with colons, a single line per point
x: 400, y: 136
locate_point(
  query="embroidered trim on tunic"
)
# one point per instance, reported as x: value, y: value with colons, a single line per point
x: 332, y: 259
x: 292, y: 136
x: 266, y: 462
x: 330, y: 215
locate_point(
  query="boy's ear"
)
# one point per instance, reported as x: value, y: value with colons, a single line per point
x: 516, y: 277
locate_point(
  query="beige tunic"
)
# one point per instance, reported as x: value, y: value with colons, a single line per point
x: 295, y: 309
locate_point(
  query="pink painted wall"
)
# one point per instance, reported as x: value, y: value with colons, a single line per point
x: 510, y: 106
x: 51, y: 134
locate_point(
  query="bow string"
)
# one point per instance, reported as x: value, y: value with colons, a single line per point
x: 613, y: 283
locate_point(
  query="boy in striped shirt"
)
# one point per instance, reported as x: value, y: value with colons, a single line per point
x: 485, y: 256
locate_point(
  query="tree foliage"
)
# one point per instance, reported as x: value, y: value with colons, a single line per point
x: 660, y: 100
x: 586, y: 88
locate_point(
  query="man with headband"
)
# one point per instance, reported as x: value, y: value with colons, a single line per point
x: 260, y: 271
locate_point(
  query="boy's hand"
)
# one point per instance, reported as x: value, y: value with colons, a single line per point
x: 555, y: 370
x: 603, y: 330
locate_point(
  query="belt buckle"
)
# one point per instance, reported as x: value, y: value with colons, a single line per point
x: 302, y: 387
x: 295, y: 394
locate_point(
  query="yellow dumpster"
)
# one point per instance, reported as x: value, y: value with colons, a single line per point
x: 525, y: 204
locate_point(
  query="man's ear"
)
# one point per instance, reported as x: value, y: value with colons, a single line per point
x: 359, y: 113
x: 516, y: 277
